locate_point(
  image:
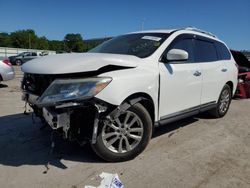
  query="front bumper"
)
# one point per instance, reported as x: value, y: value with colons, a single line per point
x: 56, y: 120
x: 75, y: 119
x: 243, y: 86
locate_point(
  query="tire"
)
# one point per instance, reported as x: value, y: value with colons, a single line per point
x: 18, y: 62
x: 133, y: 135
x: 223, y: 103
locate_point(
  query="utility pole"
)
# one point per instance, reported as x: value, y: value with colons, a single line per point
x: 29, y: 42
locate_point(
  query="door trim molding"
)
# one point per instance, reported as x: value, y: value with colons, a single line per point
x: 187, y: 113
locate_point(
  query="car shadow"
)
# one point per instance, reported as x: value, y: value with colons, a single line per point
x: 23, y: 142
x: 3, y: 85
x: 170, y: 127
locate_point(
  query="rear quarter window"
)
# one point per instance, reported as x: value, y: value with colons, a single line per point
x: 223, y: 52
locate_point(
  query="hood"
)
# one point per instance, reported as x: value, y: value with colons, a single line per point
x: 77, y: 63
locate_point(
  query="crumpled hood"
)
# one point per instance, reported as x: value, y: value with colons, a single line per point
x: 77, y: 63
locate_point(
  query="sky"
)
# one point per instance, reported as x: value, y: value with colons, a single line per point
x: 227, y: 19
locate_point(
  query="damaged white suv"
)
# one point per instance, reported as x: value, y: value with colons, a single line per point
x: 114, y: 95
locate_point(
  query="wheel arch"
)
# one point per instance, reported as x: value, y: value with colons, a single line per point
x: 146, y: 101
x: 231, y: 85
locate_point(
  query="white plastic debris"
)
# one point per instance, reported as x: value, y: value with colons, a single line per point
x: 108, y: 181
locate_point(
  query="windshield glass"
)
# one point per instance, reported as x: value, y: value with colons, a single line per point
x: 140, y: 44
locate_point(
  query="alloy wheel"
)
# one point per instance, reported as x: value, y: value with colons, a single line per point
x: 124, y: 133
x: 224, y: 101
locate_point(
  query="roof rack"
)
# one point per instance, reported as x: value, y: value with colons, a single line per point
x: 200, y: 31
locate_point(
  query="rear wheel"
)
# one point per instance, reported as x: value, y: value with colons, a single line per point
x: 126, y: 137
x: 223, y: 103
x: 18, y: 62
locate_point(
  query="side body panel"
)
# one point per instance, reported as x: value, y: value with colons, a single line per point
x: 131, y: 81
x: 180, y: 89
x: 214, y: 80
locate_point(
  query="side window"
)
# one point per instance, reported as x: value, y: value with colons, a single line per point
x: 205, y: 51
x: 187, y: 45
x: 223, y: 52
x: 34, y: 54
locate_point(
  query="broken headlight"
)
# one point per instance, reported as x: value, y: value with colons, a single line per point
x: 66, y: 90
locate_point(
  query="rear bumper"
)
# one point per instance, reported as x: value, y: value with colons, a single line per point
x: 8, y: 74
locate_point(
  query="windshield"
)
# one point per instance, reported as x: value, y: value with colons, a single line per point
x: 140, y: 44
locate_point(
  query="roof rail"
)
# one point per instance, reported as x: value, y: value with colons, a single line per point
x: 200, y: 31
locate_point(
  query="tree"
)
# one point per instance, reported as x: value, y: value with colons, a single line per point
x: 24, y: 38
x: 56, y: 45
x: 5, y: 40
x: 74, y: 42
x: 28, y: 39
x: 42, y: 43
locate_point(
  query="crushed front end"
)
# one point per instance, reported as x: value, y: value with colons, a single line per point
x: 243, y: 87
x: 67, y: 103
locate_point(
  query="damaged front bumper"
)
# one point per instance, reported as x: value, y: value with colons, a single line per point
x: 67, y: 103
x: 76, y: 120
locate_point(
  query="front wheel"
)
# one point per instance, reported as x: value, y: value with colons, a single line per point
x: 223, y: 103
x: 126, y: 137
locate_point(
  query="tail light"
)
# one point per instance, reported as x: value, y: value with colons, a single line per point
x: 7, y: 62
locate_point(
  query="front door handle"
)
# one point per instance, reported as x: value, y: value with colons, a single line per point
x: 197, y: 73
x: 223, y: 70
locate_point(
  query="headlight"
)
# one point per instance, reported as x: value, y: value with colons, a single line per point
x: 63, y: 90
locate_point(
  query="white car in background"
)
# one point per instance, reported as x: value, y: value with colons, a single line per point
x: 6, y: 70
x: 114, y: 95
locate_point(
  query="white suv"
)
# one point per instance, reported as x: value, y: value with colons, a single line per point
x: 114, y: 95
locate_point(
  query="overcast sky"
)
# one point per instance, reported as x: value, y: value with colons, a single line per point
x: 228, y: 19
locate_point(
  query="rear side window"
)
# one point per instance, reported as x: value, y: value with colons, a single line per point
x: 205, y: 51
x: 223, y: 52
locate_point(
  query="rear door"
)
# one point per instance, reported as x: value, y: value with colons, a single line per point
x: 213, y: 69
x: 180, y: 82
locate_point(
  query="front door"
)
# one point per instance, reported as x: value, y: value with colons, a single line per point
x: 180, y: 82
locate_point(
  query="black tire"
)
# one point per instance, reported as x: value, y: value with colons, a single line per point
x: 143, y: 119
x: 18, y: 62
x: 218, y: 112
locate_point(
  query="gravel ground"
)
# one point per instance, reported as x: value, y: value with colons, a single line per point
x: 195, y: 152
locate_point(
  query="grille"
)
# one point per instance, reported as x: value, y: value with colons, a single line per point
x: 36, y: 84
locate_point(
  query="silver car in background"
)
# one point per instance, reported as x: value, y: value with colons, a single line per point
x: 6, y: 70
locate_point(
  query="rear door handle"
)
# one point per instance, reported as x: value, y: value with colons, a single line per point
x: 223, y: 70
x: 197, y: 73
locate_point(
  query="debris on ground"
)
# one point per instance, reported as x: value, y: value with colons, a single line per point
x: 108, y: 181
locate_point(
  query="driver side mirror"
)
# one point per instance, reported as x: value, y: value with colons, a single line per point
x: 176, y: 55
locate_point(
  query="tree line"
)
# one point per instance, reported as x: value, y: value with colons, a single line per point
x: 72, y: 42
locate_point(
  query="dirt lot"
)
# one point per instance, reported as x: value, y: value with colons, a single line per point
x: 196, y: 152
